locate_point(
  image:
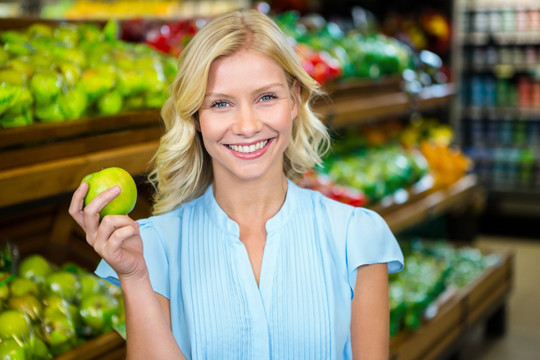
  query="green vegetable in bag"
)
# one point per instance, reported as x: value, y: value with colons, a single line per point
x: 110, y: 103
x: 7, y: 94
x: 49, y: 112
x: 96, y: 83
x: 67, y: 34
x: 130, y: 83
x: 45, y: 86
x: 73, y: 103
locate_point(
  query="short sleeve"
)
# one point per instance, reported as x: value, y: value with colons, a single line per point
x: 370, y: 241
x: 155, y: 257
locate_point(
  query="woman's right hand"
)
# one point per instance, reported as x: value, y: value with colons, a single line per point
x: 116, y: 238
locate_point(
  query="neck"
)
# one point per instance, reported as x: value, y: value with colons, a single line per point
x: 257, y: 199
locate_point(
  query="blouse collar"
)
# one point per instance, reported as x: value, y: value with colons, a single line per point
x: 273, y: 224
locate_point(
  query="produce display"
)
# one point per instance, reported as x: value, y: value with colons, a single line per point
x: 342, y: 193
x: 354, y: 53
x: 53, y: 74
x: 372, y: 162
x: 168, y: 37
x: 72, y: 70
x: 376, y: 172
x: 369, y: 163
x: 431, y: 268
x: 328, y: 51
x: 446, y: 161
x: 46, y: 310
x: 127, y: 9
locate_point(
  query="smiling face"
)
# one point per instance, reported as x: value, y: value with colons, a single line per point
x: 246, y: 116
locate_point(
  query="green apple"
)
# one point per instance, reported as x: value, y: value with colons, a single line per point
x: 50, y: 112
x: 97, y: 311
x: 13, y: 77
x: 37, y: 349
x: 35, y: 267
x: 27, y: 304
x: 55, y: 303
x: 58, y: 331
x: 120, y: 317
x: 14, y: 324
x: 108, y: 178
x: 91, y: 284
x: 73, y: 103
x: 110, y: 103
x: 12, y: 350
x: 23, y: 286
x: 45, y: 86
x: 63, y: 284
x: 39, y: 29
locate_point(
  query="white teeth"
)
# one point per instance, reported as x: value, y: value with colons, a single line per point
x: 245, y: 149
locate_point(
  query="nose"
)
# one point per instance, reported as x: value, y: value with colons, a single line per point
x: 247, y: 122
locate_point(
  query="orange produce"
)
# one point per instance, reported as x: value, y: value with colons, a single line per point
x: 447, y: 163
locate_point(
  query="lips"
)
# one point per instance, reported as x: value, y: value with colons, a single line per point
x: 250, y: 151
x: 247, y: 149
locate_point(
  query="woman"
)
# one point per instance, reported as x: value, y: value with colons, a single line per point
x: 238, y: 261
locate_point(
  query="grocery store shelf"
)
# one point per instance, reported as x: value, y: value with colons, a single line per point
x: 458, y: 310
x: 54, y: 131
x: 26, y: 183
x: 427, y: 203
x: 351, y: 109
x: 107, y: 346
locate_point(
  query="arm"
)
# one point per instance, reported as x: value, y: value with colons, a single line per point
x: 148, y: 331
x: 117, y: 240
x: 370, y: 314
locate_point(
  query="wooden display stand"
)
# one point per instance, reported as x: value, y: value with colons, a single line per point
x: 458, y: 312
x: 40, y: 165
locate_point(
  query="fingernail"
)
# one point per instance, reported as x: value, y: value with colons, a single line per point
x: 116, y: 190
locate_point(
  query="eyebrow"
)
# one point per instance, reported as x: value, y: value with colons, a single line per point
x: 258, y: 90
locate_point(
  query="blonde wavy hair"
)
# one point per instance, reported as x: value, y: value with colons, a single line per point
x: 182, y: 167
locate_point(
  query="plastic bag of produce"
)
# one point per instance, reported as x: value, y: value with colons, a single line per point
x: 47, y: 309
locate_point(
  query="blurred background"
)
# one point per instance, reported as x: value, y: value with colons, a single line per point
x: 434, y: 111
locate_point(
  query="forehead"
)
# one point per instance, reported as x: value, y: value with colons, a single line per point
x: 245, y: 65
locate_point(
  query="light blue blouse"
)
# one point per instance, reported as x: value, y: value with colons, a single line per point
x: 302, y: 306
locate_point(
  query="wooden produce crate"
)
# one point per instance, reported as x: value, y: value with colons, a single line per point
x: 487, y: 294
x: 457, y: 313
x: 433, y: 337
x: 425, y: 200
x: 363, y: 101
x: 42, y: 142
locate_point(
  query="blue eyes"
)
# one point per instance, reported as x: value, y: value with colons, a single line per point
x: 225, y: 103
x: 219, y: 104
x: 268, y: 97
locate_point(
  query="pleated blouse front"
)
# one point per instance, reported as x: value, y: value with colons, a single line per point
x: 302, y: 306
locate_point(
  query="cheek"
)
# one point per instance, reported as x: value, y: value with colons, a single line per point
x: 209, y: 129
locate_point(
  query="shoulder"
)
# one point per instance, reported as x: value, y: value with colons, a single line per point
x: 307, y: 198
x: 338, y: 212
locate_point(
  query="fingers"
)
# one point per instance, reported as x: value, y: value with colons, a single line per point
x: 119, y: 243
x: 77, y: 203
x: 91, y: 212
x: 112, y: 238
